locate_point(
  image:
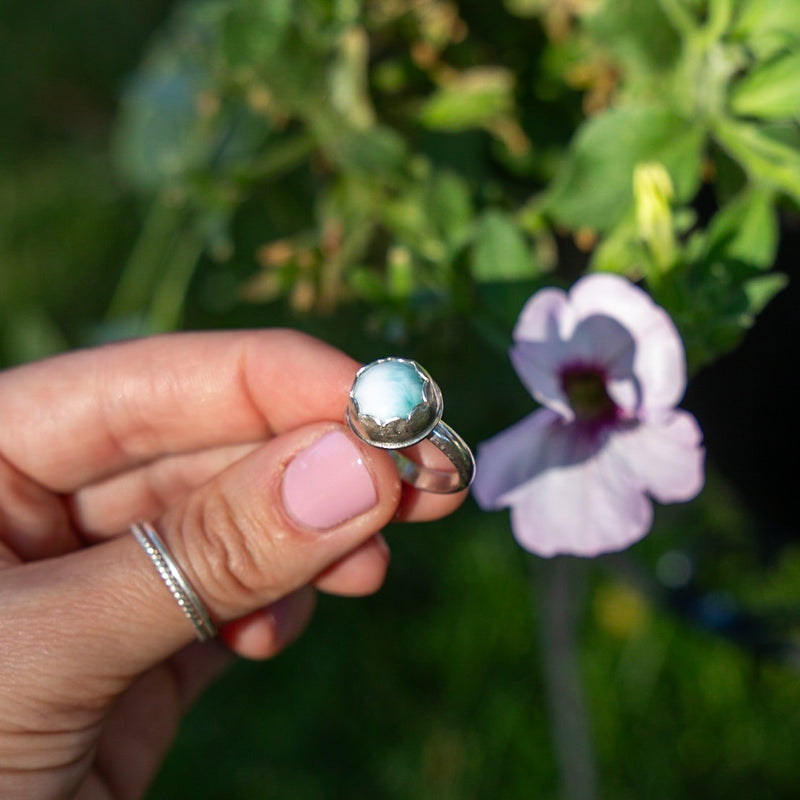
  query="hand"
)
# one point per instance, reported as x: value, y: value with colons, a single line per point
x: 233, y: 444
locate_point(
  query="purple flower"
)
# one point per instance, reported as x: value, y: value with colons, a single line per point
x: 608, y: 367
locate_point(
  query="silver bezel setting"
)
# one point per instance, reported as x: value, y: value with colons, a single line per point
x: 398, y: 432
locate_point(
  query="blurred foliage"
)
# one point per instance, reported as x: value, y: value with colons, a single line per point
x: 399, y: 176
x: 427, y: 152
x: 410, y: 155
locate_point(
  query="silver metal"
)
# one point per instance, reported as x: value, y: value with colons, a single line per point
x: 415, y: 417
x: 174, y: 579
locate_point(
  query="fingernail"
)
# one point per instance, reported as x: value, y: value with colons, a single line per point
x: 328, y: 483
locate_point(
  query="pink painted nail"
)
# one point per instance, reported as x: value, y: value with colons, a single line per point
x: 328, y: 483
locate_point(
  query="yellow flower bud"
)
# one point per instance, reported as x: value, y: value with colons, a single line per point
x: 653, y: 193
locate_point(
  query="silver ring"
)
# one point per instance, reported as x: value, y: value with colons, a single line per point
x: 394, y: 404
x: 174, y: 579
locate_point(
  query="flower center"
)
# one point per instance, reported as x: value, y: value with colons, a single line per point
x: 586, y: 391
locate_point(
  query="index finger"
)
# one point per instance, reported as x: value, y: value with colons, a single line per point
x: 79, y: 418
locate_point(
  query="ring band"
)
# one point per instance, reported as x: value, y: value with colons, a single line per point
x: 394, y: 404
x: 174, y: 579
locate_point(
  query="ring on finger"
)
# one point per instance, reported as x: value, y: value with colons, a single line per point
x: 394, y: 404
x: 175, y: 580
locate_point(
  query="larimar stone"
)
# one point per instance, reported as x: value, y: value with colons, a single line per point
x: 389, y: 390
x: 394, y: 403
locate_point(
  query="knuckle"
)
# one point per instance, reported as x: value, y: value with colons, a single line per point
x: 225, y: 548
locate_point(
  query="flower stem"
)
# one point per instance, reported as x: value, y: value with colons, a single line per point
x: 679, y: 16
x: 169, y: 295
x: 719, y: 19
x: 559, y: 585
x: 278, y: 159
x: 145, y: 262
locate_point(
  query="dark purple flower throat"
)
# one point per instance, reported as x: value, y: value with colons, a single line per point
x: 585, y: 388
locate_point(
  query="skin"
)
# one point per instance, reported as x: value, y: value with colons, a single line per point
x: 192, y: 431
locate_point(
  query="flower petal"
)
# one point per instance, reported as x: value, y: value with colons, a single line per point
x: 537, y: 354
x: 540, y: 318
x: 602, y: 341
x: 539, y: 366
x: 511, y: 458
x: 585, y: 509
x: 625, y: 392
x: 659, y: 361
x: 664, y: 458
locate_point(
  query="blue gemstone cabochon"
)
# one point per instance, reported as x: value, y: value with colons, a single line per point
x: 389, y: 390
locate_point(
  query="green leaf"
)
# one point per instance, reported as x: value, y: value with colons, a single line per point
x: 400, y: 273
x: 254, y: 29
x: 347, y: 80
x: 367, y: 285
x: 767, y: 26
x: 620, y: 251
x: 746, y: 229
x: 722, y: 290
x: 501, y: 252
x: 766, y: 159
x: 761, y: 289
x: 594, y: 188
x: 638, y: 33
x: 450, y: 207
x: 771, y: 90
x: 377, y: 150
x: 526, y: 8
x: 474, y: 98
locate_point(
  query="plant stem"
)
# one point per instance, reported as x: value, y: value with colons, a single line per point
x: 681, y: 19
x: 719, y: 20
x: 559, y: 584
x: 169, y: 295
x: 279, y: 158
x: 135, y: 286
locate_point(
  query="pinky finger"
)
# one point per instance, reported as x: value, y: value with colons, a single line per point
x: 264, y: 633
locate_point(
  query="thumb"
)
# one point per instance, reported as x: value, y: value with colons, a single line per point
x: 261, y: 529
